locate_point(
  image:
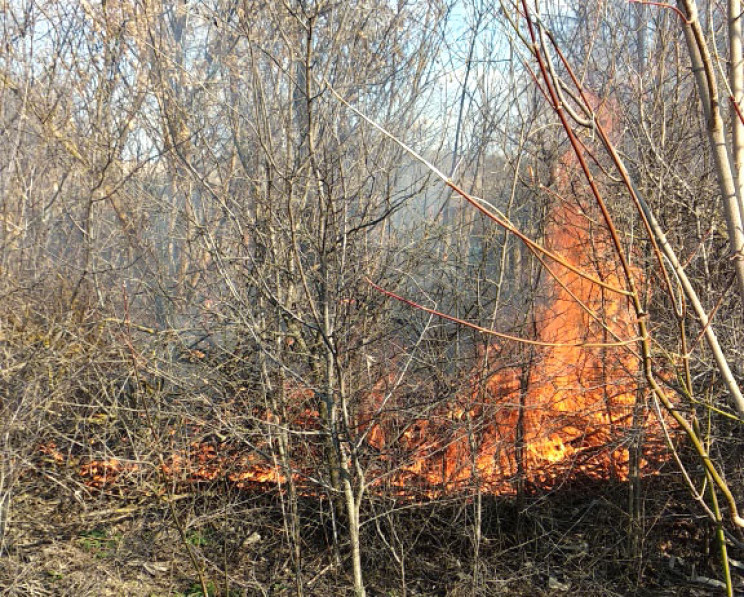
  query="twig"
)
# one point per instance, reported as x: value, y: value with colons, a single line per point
x: 502, y: 335
x: 663, y: 5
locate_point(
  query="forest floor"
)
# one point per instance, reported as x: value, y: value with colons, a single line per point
x: 63, y: 541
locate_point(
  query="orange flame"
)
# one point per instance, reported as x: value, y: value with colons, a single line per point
x: 571, y: 407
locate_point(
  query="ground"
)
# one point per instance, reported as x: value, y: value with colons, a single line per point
x: 560, y: 544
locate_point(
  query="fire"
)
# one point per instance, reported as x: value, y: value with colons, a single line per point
x: 573, y: 404
x: 569, y: 407
x: 205, y: 462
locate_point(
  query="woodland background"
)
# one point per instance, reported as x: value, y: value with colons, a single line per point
x: 388, y: 297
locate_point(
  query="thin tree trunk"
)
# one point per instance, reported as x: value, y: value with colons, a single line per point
x: 707, y: 85
x: 736, y: 82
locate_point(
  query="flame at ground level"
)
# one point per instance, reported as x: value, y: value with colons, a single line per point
x: 571, y: 406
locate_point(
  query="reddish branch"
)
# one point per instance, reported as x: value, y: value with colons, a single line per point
x: 606, y: 141
x: 483, y: 330
x: 663, y: 5
x: 734, y: 103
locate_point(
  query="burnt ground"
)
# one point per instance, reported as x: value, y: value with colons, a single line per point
x: 64, y: 540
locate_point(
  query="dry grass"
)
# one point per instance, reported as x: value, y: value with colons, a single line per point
x: 569, y: 543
